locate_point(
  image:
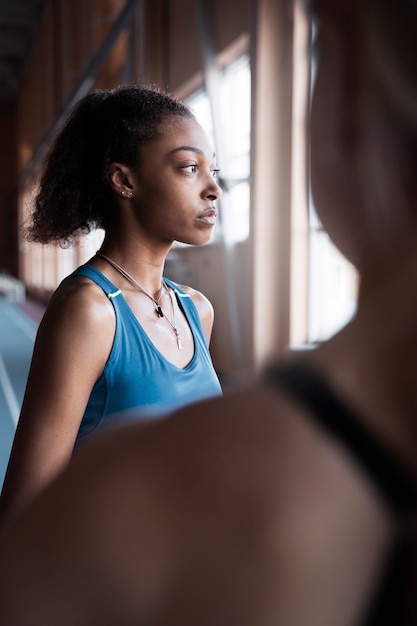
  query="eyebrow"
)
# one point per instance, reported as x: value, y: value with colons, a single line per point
x: 189, y: 149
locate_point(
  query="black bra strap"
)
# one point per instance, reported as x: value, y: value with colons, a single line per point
x: 308, y: 388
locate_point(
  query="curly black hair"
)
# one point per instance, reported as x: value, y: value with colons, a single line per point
x: 105, y: 126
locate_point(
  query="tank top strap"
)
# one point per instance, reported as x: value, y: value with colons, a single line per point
x: 185, y: 301
x: 91, y: 272
x: 312, y: 391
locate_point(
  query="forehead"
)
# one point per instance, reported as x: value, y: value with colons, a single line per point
x: 184, y: 133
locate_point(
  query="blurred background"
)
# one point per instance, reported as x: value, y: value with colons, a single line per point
x: 272, y: 274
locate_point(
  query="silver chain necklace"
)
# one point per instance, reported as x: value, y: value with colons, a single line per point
x: 158, y: 309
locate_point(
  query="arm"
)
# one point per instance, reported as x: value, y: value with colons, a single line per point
x: 73, y: 342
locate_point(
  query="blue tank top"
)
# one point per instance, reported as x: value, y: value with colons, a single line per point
x: 136, y: 375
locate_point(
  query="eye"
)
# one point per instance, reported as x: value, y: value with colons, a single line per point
x: 215, y: 173
x: 190, y: 168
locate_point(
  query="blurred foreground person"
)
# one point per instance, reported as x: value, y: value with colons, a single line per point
x: 293, y: 502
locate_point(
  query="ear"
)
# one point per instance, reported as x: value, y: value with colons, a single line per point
x: 120, y: 178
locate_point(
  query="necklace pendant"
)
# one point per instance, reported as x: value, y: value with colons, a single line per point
x: 159, y: 311
x: 178, y: 341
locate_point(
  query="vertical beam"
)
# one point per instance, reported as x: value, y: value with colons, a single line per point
x: 157, y: 45
x: 271, y: 200
x: 299, y: 189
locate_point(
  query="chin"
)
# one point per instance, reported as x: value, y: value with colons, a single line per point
x: 200, y: 240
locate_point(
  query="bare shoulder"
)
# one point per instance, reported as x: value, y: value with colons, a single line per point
x: 78, y: 320
x: 204, y: 308
x: 201, y: 301
x: 79, y: 301
x: 240, y: 501
x: 269, y: 450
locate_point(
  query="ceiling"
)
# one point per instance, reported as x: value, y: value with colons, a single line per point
x: 18, y: 19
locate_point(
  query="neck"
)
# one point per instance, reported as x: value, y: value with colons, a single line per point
x: 135, y: 250
x: 145, y: 268
x: 153, y: 295
x: 372, y: 361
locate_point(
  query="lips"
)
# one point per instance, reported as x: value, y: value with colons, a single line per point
x: 208, y: 216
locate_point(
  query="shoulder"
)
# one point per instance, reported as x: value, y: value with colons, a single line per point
x: 201, y: 302
x: 204, y: 309
x: 78, y: 303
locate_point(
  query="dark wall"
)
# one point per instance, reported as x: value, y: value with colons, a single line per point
x: 8, y: 192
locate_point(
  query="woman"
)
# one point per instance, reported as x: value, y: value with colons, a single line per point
x: 117, y: 335
x: 291, y: 503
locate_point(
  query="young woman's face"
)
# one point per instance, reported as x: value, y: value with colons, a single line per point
x: 175, y: 186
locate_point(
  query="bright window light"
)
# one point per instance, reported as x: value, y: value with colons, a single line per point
x: 234, y: 92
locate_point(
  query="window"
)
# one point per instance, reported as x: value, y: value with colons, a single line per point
x: 234, y: 93
x: 332, y: 285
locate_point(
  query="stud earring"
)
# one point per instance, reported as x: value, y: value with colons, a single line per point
x: 126, y: 194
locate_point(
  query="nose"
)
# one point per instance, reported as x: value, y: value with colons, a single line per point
x: 214, y: 191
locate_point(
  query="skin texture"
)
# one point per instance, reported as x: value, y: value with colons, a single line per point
x: 200, y: 519
x: 174, y: 194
